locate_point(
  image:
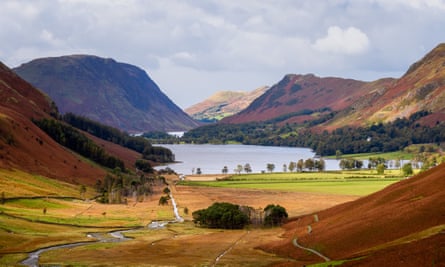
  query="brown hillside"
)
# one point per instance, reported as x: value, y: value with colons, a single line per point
x: 296, y: 93
x: 24, y: 146
x: 421, y: 88
x: 374, y: 226
x: 356, y: 102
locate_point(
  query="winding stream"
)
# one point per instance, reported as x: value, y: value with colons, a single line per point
x: 116, y: 236
x: 111, y: 237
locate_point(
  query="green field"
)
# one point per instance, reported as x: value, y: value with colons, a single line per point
x: 358, y: 183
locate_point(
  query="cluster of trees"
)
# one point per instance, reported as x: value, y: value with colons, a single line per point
x: 349, y: 140
x: 136, y: 143
x: 274, y: 215
x: 308, y: 164
x: 117, y: 187
x: 231, y: 216
x: 221, y: 215
x: 73, y: 139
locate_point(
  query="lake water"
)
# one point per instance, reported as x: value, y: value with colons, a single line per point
x: 211, y: 159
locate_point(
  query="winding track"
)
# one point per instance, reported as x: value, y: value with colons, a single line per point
x: 295, y: 243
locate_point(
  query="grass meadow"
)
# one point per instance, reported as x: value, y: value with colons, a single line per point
x: 360, y: 182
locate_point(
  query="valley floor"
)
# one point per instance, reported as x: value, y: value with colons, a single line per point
x: 24, y: 227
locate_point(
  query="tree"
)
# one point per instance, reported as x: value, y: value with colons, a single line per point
x: 300, y: 165
x: 270, y: 167
x: 320, y: 165
x: 143, y: 165
x: 163, y: 200
x: 309, y: 164
x: 247, y: 168
x: 407, y: 169
x: 198, y: 171
x: 225, y: 170
x: 274, y: 215
x: 239, y: 168
x: 380, y: 168
x: 284, y: 167
x: 292, y: 166
x: 338, y: 154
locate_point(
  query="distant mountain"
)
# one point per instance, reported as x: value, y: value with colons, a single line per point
x: 401, y: 225
x: 116, y: 94
x: 298, y: 94
x: 223, y: 104
x: 301, y: 98
x: 23, y: 146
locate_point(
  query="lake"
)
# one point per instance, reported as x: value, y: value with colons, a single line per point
x: 212, y: 158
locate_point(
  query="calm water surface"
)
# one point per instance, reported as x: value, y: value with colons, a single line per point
x: 212, y: 158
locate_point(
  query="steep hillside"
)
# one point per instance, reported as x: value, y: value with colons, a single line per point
x: 402, y: 225
x: 298, y: 94
x: 355, y: 102
x: 223, y: 104
x: 116, y: 94
x: 24, y: 146
x: 421, y: 88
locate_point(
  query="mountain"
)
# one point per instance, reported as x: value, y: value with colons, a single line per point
x: 223, y: 104
x: 422, y: 87
x: 23, y: 146
x: 303, y: 95
x: 402, y: 225
x: 116, y: 94
x: 301, y: 98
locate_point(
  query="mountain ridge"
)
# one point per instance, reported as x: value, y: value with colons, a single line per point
x: 118, y: 94
x: 356, y: 103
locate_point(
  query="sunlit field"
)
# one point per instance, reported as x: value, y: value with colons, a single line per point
x: 358, y: 183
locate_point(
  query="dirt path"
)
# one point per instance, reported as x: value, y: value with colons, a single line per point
x: 229, y: 249
x: 295, y: 243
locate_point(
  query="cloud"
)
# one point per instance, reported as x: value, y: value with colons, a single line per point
x: 236, y: 44
x: 416, y: 4
x: 343, y: 41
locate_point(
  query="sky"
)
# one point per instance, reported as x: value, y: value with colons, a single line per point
x: 193, y: 48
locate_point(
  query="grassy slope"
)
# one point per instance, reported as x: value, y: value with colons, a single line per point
x: 16, y: 183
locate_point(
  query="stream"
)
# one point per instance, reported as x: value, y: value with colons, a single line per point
x: 116, y: 236
x: 111, y: 237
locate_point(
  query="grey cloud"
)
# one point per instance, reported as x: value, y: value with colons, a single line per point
x: 229, y: 39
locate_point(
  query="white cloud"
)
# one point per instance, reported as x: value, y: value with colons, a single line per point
x: 416, y: 4
x: 343, y: 41
x: 242, y: 43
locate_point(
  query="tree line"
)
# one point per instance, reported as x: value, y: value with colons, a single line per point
x: 108, y: 133
x: 380, y: 137
x: 117, y: 186
x: 73, y: 139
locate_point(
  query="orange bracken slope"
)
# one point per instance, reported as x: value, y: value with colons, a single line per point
x: 24, y: 146
x: 372, y: 227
